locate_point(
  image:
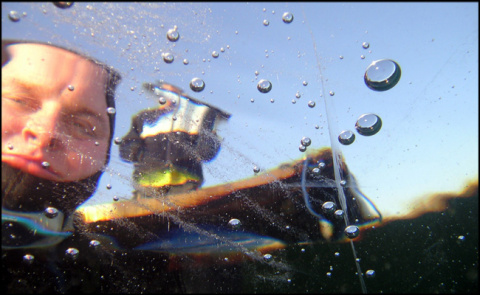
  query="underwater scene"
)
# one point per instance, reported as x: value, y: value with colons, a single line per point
x: 215, y: 147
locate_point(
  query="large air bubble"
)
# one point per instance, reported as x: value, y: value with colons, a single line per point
x: 382, y: 75
x: 368, y: 124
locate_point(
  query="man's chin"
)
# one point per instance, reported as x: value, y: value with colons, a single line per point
x: 25, y: 192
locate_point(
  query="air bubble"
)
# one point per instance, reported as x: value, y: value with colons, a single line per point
x: 45, y: 165
x: 294, y: 101
x: 302, y: 148
x: 94, y: 243
x: 306, y: 141
x: 267, y: 257
x: 234, y: 223
x: 266, y: 22
x: 382, y: 75
x: 10, y: 146
x: 71, y: 87
x: 14, y: 16
x: 51, y: 212
x: 215, y: 54
x: 362, y: 56
x: 337, y: 254
x: 167, y: 57
x: 311, y: 104
x: 368, y: 124
x: 256, y: 169
x: 117, y: 140
x: 338, y: 214
x: 173, y: 35
x: 316, y: 171
x: 346, y: 137
x: 63, y: 5
x: 185, y: 61
x: 272, y: 100
x: 343, y: 182
x: 352, y: 231
x: 287, y: 17
x: 72, y: 253
x: 197, y: 84
x: 331, y: 93
x: 370, y: 273
x: 28, y: 258
x: 111, y: 110
x: 365, y: 45
x: 162, y: 100
x: 115, y: 198
x: 329, y: 207
x: 109, y: 186
x: 264, y: 86
x: 305, y: 83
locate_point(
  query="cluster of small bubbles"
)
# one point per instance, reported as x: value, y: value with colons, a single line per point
x: 370, y: 273
x: 117, y: 140
x: 287, y: 17
x: 71, y: 87
x: 215, y: 54
x: 167, y: 57
x: 368, y: 124
x: 63, y: 5
x: 173, y: 35
x: 338, y: 214
x: 28, y: 258
x: 302, y: 148
x: 365, y: 45
x: 94, y: 243
x: 115, y: 198
x: 51, y: 212
x: 266, y: 22
x: 306, y: 141
x: 331, y: 93
x: 256, y: 169
x: 234, y: 223
x: 197, y: 84
x: 14, y: 16
x: 346, y: 137
x: 382, y: 75
x: 343, y: 182
x: 311, y: 104
x: 109, y: 186
x: 352, y: 231
x: 329, y: 207
x: 111, y: 110
x: 72, y: 253
x: 267, y: 257
x: 305, y: 83
x: 264, y: 86
x: 45, y: 165
x: 185, y: 61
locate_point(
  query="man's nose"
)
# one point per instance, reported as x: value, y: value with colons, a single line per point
x: 42, y: 130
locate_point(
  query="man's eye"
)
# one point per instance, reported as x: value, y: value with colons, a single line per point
x: 82, y: 128
x: 20, y: 101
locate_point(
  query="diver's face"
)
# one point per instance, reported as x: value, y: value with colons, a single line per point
x: 44, y: 121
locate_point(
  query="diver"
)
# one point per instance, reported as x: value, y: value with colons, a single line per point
x: 169, y: 143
